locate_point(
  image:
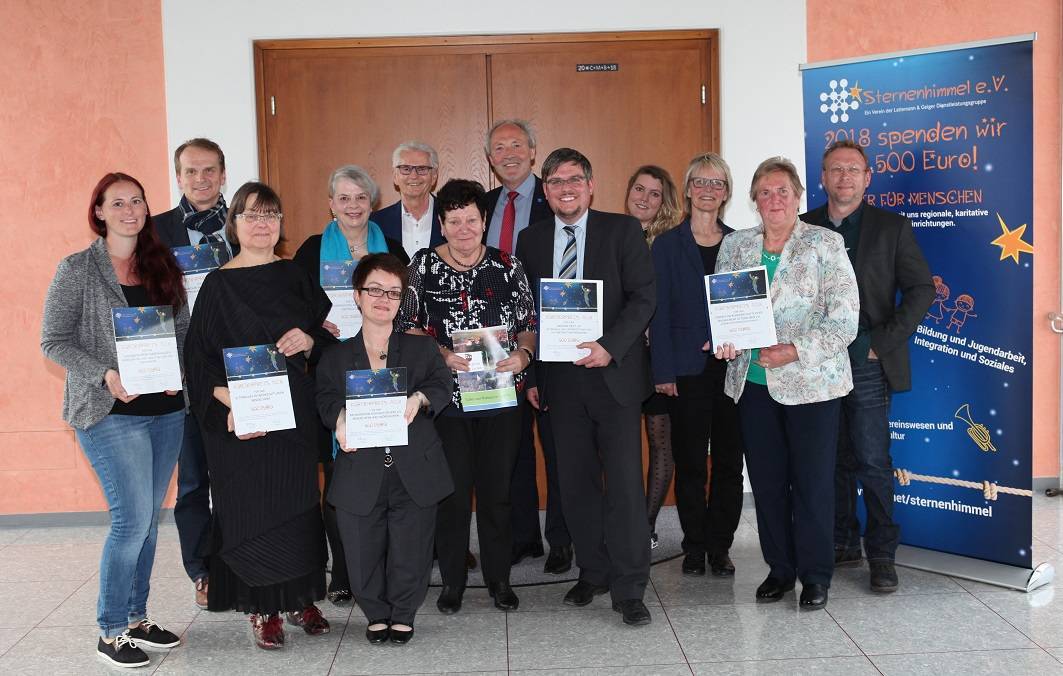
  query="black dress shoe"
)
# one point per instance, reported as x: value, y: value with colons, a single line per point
x: 634, y: 611
x: 528, y: 550
x: 694, y: 563
x: 470, y: 560
x: 772, y: 589
x: 449, y: 601
x: 583, y: 593
x: 401, y: 637
x: 503, y: 595
x: 378, y: 636
x: 721, y: 565
x: 813, y: 596
x: 559, y: 561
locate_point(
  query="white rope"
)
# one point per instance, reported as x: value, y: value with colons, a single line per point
x: 988, y: 488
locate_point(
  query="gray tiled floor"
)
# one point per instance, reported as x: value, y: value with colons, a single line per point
x: 933, y: 625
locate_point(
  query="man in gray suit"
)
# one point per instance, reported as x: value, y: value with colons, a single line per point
x: 887, y: 260
x: 595, y: 402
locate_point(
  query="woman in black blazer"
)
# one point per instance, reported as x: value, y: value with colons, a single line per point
x: 691, y: 378
x: 349, y: 236
x: 385, y: 498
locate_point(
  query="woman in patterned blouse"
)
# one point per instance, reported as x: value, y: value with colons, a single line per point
x: 789, y: 394
x: 459, y: 286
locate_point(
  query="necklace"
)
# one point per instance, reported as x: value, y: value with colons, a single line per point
x: 462, y: 263
x: 382, y: 353
x: 770, y: 256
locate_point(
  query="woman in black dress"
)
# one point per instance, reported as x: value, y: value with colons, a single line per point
x: 268, y: 540
x: 458, y: 286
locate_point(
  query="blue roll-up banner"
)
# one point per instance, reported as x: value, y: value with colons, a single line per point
x: 948, y: 135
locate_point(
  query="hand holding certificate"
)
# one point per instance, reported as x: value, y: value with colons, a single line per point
x: 376, y: 408
x: 483, y: 387
x: 337, y: 282
x: 146, y: 344
x: 570, y: 313
x: 740, y: 309
x: 260, y: 397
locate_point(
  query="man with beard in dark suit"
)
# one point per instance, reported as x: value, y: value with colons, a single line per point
x: 595, y: 402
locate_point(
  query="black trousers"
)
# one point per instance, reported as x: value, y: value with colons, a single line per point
x: 481, y: 452
x: 700, y: 411
x: 525, y: 492
x: 389, y: 553
x: 599, y: 463
x: 339, y: 580
x: 790, y: 451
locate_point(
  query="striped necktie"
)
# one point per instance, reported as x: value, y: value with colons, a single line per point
x: 568, y: 259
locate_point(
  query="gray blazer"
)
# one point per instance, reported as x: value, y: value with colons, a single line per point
x: 77, y: 332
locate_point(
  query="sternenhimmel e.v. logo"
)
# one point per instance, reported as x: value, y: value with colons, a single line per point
x: 839, y: 98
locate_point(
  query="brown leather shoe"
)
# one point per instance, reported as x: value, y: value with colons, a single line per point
x: 311, y: 620
x: 201, y: 593
x: 268, y: 630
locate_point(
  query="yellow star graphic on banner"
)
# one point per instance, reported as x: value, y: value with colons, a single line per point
x: 1011, y: 243
x: 855, y: 91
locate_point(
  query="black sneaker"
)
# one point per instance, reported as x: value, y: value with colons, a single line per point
x: 122, y: 653
x: 883, y: 577
x: 844, y: 558
x: 150, y: 635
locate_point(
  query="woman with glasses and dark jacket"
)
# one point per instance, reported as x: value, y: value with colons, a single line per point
x: 691, y: 378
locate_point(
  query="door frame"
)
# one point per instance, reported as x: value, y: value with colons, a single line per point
x: 485, y: 44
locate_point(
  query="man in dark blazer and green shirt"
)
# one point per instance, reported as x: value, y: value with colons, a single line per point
x: 595, y: 402
x: 887, y: 260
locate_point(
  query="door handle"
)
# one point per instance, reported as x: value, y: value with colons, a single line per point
x: 1055, y: 322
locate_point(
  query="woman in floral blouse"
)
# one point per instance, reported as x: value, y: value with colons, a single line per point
x: 789, y: 394
x: 459, y: 286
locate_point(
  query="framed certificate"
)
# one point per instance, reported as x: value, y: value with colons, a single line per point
x: 570, y: 313
x: 337, y: 281
x: 196, y: 262
x: 258, y: 389
x: 740, y: 309
x: 483, y: 387
x: 146, y: 343
x: 376, y: 408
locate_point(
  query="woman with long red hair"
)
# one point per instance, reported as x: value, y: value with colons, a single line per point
x: 132, y: 441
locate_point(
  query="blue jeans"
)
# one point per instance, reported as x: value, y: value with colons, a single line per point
x: 192, y: 511
x: 134, y: 458
x: 864, y: 456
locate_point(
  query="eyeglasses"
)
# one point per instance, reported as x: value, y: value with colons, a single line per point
x: 714, y: 183
x: 377, y: 292
x: 407, y: 169
x: 574, y: 181
x: 267, y: 217
x: 852, y: 170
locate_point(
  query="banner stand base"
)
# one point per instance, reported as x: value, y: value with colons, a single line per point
x: 989, y: 572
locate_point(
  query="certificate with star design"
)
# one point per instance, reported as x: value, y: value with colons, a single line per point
x: 570, y: 313
x: 376, y: 408
x: 337, y: 280
x: 146, y: 344
x: 196, y: 262
x: 259, y: 393
x: 740, y: 309
x: 483, y: 387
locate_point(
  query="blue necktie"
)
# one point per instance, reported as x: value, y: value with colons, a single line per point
x: 568, y: 259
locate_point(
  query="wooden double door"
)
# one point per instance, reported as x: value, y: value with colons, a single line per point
x: 623, y: 99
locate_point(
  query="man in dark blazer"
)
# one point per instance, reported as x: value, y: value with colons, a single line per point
x: 200, y: 216
x: 414, y: 219
x: 887, y: 260
x: 595, y: 402
x: 512, y: 207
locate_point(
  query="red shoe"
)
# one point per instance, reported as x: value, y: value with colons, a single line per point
x: 311, y: 620
x: 268, y: 630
